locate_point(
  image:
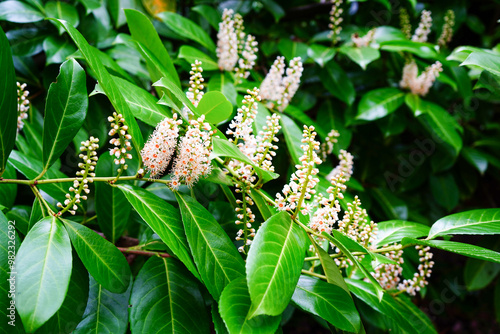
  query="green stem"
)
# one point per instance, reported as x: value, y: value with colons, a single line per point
x: 42, y: 200
x: 380, y: 250
x: 309, y: 273
x: 141, y: 252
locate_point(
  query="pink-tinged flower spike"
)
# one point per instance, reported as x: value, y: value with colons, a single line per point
x: 247, y: 59
x: 23, y: 105
x: 304, y: 180
x: 345, y: 166
x: 122, y: 143
x: 330, y: 141
x: 89, y: 158
x: 424, y: 27
x: 160, y: 147
x: 404, y: 20
x: 447, y: 33
x: 389, y: 274
x: 193, y: 157
x: 420, y: 84
x: 272, y: 88
x: 291, y: 82
x: 419, y: 280
x: 227, y: 42
x: 335, y: 20
x: 366, y: 40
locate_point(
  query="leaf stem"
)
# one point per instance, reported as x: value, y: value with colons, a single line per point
x: 310, y: 273
x: 141, y: 252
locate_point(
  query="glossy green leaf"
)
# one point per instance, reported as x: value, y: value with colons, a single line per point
x: 393, y: 206
x: 336, y: 81
x: 223, y: 83
x: 8, y: 191
x: 293, y: 138
x: 57, y: 50
x: 107, y: 83
x: 328, y: 301
x: 43, y: 266
x: 320, y: 53
x: 486, y: 60
x: 395, y: 230
x: 424, y: 50
x: 266, y: 210
x: 290, y: 49
x: 101, y: 258
x: 302, y: 117
x: 219, y: 325
x: 330, y: 268
x: 379, y: 103
x: 215, y: 107
x: 111, y: 206
x: 65, y: 111
x: 91, y: 4
x: 209, y: 13
x: 63, y: 11
x: 274, y: 264
x: 418, y: 319
x: 475, y: 158
x: 188, y: 29
x: 166, y: 299
x: 191, y: 54
x: 163, y: 219
x: 457, y: 247
x: 216, y: 258
x: 106, y: 312
x: 478, y: 273
x: 19, y: 12
x: 444, y: 190
x: 20, y: 215
x: 234, y: 305
x: 167, y: 83
x: 481, y: 221
x: 8, y: 99
x: 143, y: 31
x: 362, y: 55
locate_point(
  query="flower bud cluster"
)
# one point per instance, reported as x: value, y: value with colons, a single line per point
x: 335, y: 20
x: 160, y: 147
x: 345, y: 166
x: 245, y: 217
x: 266, y: 147
x: 424, y: 27
x: 303, y: 182
x: 419, y: 280
x: 419, y: 84
x: 279, y: 90
x: 193, y: 156
x: 122, y: 143
x: 196, y: 86
x: 447, y: 33
x: 80, y: 184
x: 389, y: 274
x: 241, y: 125
x: 366, y: 40
x: 330, y: 141
x: 23, y: 105
x: 404, y: 20
x: 248, y: 57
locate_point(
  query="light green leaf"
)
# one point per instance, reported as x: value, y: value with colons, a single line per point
x: 57, y: 50
x: 166, y: 299
x: 481, y: 221
x: 293, y: 137
x: 191, y: 54
x: 336, y: 81
x: 223, y: 83
x: 163, y: 219
x: 101, y: 258
x: 234, y: 305
x: 216, y: 258
x: 320, y: 53
x: 424, y: 50
x: 362, y: 55
x: 488, y: 61
x: 395, y: 230
x: 64, y: 11
x: 65, y: 111
x: 332, y: 272
x: 43, y: 266
x: 167, y: 83
x: 328, y: 301
x: 19, y: 12
x: 379, y: 103
x: 274, y: 264
x: 215, y: 107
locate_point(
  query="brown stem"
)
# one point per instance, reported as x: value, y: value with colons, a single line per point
x: 141, y: 252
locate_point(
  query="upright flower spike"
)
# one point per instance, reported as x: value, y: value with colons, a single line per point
x: 160, y: 147
x: 335, y: 21
x: 424, y: 27
x: 404, y: 20
x: 89, y: 158
x: 411, y: 286
x: 291, y: 82
x: 23, y: 105
x: 245, y: 217
x: 366, y: 40
x: 122, y: 143
x: 248, y: 57
x: 193, y: 158
x: 345, y: 166
x: 271, y: 88
x: 266, y: 140
x: 227, y: 42
x: 330, y: 141
x: 419, y: 84
x: 196, y: 86
x: 447, y: 33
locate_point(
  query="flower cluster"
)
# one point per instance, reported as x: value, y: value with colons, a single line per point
x: 278, y: 90
x: 160, y: 146
x: 303, y: 182
x: 419, y: 84
x: 246, y: 217
x: 23, y: 105
x: 345, y: 166
x: 266, y: 147
x: 424, y: 27
x: 122, y: 143
x: 234, y: 47
x: 196, y: 86
x: 419, y: 280
x: 335, y: 20
x: 89, y: 158
x: 389, y: 274
x: 327, y: 146
x: 404, y: 20
x: 366, y: 40
x: 193, y: 157
x: 447, y: 33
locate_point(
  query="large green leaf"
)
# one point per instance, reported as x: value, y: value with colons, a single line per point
x: 274, y: 264
x: 101, y: 258
x: 191, y: 54
x: 8, y: 191
x: 65, y: 111
x: 106, y: 312
x: 234, y: 305
x: 328, y: 301
x: 107, y: 83
x: 424, y: 50
x: 457, y: 247
x: 187, y: 28
x: 481, y: 221
x: 43, y: 264
x: 166, y: 299
x: 293, y: 138
x: 330, y: 268
x: 215, y: 106
x: 19, y: 12
x: 478, y: 273
x: 395, y: 230
x: 320, y: 53
x: 8, y: 99
x: 57, y: 50
x: 223, y: 83
x: 336, y: 81
x: 216, y: 258
x: 167, y: 83
x: 362, y: 55
x: 163, y: 219
x: 64, y: 11
x: 379, y: 103
x: 486, y: 60
x: 111, y: 206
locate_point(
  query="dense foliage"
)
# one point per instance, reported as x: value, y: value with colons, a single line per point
x: 248, y: 166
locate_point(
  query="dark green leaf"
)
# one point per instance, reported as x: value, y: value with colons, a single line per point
x: 275, y: 9
x: 64, y: 11
x: 215, y: 107
x: 19, y: 12
x: 266, y: 210
x: 478, y: 273
x: 57, y: 50
x: 394, y: 230
x: 8, y: 191
x: 336, y: 81
x: 291, y: 49
x: 26, y: 42
x: 481, y: 221
x: 209, y: 13
x: 293, y: 138
x: 475, y: 158
x: 444, y: 190
x: 392, y: 206
x: 191, y: 54
x: 379, y: 103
